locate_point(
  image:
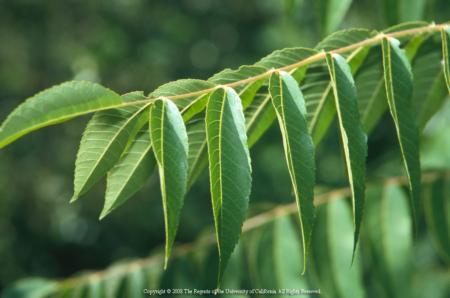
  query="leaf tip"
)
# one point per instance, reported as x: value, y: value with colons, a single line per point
x: 353, y: 254
x: 303, y: 271
x: 74, y: 198
x: 166, y: 261
x: 304, y: 264
x: 104, y: 213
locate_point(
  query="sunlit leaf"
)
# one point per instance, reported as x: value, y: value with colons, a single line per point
x: 55, y: 105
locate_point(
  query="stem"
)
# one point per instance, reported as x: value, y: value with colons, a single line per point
x: 312, y: 59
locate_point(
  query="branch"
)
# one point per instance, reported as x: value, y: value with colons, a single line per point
x: 250, y: 224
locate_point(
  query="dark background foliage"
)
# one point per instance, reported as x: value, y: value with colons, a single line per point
x: 138, y: 45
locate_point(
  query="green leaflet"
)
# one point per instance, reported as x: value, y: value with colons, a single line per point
x: 386, y: 223
x: 132, y: 284
x: 445, y: 34
x: 430, y: 282
x: 105, y: 138
x: 371, y: 91
x: 229, y: 169
x: 260, y: 114
x: 259, y: 117
x: 55, y: 105
x: 354, y: 141
x: 195, y: 107
x: 403, y: 10
x: 343, y: 38
x: 30, y: 287
x: 236, y: 272
x: 332, y: 252
x: 317, y: 88
x: 290, y: 108
x: 182, y: 274
x: 430, y: 90
x: 130, y: 173
x: 197, y: 158
x: 369, y: 80
x: 268, y: 249
x: 183, y: 86
x: 170, y: 145
x: 246, y: 91
x: 285, y: 57
x: 153, y: 275
x: 319, y: 103
x: 437, y: 215
x: 399, y: 84
x: 331, y: 13
x: 111, y: 283
x: 94, y: 288
x: 207, y: 260
x: 405, y: 26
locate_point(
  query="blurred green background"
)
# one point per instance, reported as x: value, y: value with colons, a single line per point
x: 130, y: 45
